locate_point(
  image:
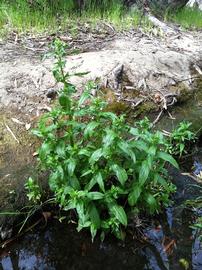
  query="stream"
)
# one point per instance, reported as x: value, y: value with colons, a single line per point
x: 59, y: 246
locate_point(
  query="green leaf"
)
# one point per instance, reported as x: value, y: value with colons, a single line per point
x: 140, y: 145
x: 71, y: 205
x: 82, y: 225
x: 86, y: 172
x: 91, y: 184
x: 152, y: 150
x: 89, y: 130
x: 168, y: 158
x: 74, y: 182
x: 134, y: 131
x: 68, y: 190
x: 144, y: 172
x: 94, y: 215
x: 44, y: 150
x: 99, y: 180
x: 85, y: 95
x: 94, y: 195
x: 80, y: 211
x: 60, y: 149
x: 71, y: 165
x: 159, y: 179
x: 120, y: 173
x: 151, y: 201
x: 120, y: 214
x: 182, y: 146
x: 84, y: 152
x: 125, y: 147
x: 37, y: 133
x: 80, y: 74
x: 109, y: 115
x: 109, y: 138
x: 150, y: 161
x: 53, y: 180
x: 93, y: 231
x: 96, y: 156
x: 132, y: 155
x: 60, y: 171
x: 64, y: 101
x: 134, y: 195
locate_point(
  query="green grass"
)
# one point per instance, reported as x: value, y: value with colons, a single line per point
x: 189, y: 18
x: 50, y: 16
x: 19, y: 16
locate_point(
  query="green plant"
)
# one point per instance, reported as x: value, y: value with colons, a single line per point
x: 33, y: 191
x: 196, y: 206
x: 99, y: 165
x: 198, y: 223
x: 50, y: 16
x: 187, y: 17
x: 180, y: 139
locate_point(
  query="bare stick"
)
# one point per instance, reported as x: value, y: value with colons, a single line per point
x: 158, y: 117
x: 11, y: 132
x: 170, y: 115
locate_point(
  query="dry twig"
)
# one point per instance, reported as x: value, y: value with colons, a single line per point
x: 11, y: 132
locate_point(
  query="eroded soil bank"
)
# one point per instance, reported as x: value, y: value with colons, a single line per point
x: 16, y: 165
x: 144, y: 63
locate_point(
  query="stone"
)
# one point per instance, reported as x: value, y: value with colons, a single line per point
x: 51, y: 93
x: 195, y: 3
x: 158, y: 4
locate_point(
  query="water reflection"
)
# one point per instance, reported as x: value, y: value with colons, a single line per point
x: 61, y: 247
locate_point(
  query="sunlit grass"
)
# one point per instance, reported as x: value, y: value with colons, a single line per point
x: 190, y: 18
x: 21, y: 17
x: 51, y: 16
x: 25, y: 19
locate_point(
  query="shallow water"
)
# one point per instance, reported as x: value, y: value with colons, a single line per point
x: 59, y: 246
x: 189, y: 111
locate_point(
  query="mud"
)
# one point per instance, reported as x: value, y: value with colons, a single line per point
x: 16, y: 165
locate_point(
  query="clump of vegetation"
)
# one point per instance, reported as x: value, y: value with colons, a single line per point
x: 196, y: 205
x: 187, y: 17
x: 51, y: 16
x: 33, y: 190
x: 100, y: 166
x: 181, y: 139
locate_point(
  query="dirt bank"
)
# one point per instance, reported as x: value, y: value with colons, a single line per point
x: 134, y: 61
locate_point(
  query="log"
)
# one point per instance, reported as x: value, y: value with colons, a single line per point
x: 158, y: 4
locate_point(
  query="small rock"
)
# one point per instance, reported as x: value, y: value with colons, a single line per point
x: 5, y: 233
x: 27, y: 126
x: 51, y: 93
x: 195, y: 4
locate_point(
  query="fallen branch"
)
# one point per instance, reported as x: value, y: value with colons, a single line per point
x: 161, y: 25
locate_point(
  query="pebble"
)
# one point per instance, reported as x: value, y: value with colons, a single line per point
x: 51, y: 93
